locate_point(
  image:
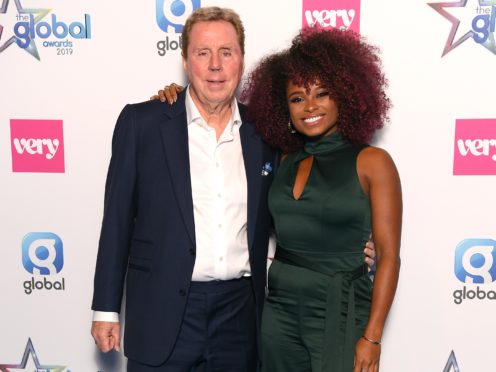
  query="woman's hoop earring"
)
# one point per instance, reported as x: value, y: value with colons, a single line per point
x: 291, y: 128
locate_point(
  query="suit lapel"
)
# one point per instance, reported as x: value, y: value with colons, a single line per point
x: 174, y: 132
x: 252, y: 155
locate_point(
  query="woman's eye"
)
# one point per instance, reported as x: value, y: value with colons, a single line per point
x: 323, y: 94
x: 296, y: 100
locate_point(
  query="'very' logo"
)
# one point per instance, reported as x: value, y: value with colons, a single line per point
x: 342, y: 14
x: 37, y: 146
x: 475, y: 147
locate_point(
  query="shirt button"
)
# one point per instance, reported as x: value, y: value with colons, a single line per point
x: 217, y: 165
x: 221, y: 259
x: 219, y: 195
x: 182, y: 292
x: 220, y: 226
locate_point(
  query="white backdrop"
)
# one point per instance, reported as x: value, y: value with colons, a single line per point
x: 84, y: 80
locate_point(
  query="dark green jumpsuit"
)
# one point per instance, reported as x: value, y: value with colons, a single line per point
x: 319, y: 291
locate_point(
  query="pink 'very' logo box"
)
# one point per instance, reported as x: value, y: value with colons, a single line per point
x: 37, y: 145
x: 475, y: 147
x: 342, y: 14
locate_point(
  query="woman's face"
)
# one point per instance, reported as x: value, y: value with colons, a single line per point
x: 312, y: 111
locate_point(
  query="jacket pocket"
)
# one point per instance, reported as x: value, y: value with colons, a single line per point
x: 141, y: 255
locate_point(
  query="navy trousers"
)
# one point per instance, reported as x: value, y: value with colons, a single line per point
x: 218, y: 332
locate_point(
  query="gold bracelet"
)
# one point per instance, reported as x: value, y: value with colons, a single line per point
x: 378, y: 343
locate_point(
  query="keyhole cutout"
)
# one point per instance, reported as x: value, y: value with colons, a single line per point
x: 302, y: 175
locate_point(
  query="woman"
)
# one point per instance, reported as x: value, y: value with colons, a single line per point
x: 320, y: 102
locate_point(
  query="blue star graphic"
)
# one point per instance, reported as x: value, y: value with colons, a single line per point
x: 38, y: 14
x: 29, y: 350
x: 450, y: 42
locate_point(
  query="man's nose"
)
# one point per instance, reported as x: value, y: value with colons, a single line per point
x: 215, y: 63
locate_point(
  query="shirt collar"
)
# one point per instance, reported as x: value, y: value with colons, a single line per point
x: 193, y: 114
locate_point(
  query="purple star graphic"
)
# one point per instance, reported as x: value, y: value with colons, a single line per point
x: 450, y: 43
x: 38, y: 15
x: 30, y: 350
x: 439, y: 7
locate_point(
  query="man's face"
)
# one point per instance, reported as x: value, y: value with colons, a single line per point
x: 214, y: 63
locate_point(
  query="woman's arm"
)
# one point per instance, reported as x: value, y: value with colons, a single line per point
x: 380, y: 181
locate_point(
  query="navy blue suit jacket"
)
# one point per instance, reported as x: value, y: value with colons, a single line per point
x: 148, y: 225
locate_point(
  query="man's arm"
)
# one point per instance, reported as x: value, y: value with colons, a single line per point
x: 117, y: 225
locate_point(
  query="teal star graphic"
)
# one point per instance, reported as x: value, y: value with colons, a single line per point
x: 29, y: 350
x: 451, y: 43
x: 38, y: 14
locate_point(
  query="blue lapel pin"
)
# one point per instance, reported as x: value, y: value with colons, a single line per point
x: 266, y: 169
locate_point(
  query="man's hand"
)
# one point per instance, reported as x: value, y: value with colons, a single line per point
x: 370, y: 254
x: 169, y: 93
x: 107, y: 335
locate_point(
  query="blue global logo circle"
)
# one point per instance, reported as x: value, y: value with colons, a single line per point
x: 178, y: 8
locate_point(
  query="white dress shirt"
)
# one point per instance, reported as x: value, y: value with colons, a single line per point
x: 219, y: 190
x: 218, y: 183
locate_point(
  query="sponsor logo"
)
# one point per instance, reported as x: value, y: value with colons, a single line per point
x: 171, y: 16
x: 37, y: 146
x: 475, y: 147
x: 342, y: 14
x: 470, y: 20
x: 475, y: 264
x: 30, y: 28
x: 31, y: 362
x: 42, y: 255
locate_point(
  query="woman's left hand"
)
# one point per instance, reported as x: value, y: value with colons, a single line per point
x: 367, y: 356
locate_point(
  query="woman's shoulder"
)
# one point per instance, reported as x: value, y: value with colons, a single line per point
x: 374, y: 159
x: 375, y: 153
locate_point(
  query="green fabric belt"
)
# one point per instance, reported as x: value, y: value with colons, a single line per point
x: 340, y: 329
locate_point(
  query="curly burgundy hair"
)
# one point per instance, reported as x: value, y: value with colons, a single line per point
x: 342, y: 62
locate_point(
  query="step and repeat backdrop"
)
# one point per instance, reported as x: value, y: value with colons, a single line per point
x: 68, y: 68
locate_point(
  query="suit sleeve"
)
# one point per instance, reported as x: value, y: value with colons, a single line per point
x: 118, y: 216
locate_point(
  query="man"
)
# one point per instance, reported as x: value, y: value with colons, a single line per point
x: 186, y: 217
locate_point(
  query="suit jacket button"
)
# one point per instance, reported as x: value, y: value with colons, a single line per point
x: 182, y: 292
x: 192, y: 251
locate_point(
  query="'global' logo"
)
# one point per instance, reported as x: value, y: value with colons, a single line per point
x: 37, y: 145
x: 172, y: 14
x: 25, y: 26
x: 42, y: 255
x: 475, y: 147
x: 27, y: 30
x: 475, y: 19
x: 342, y: 14
x: 475, y: 263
